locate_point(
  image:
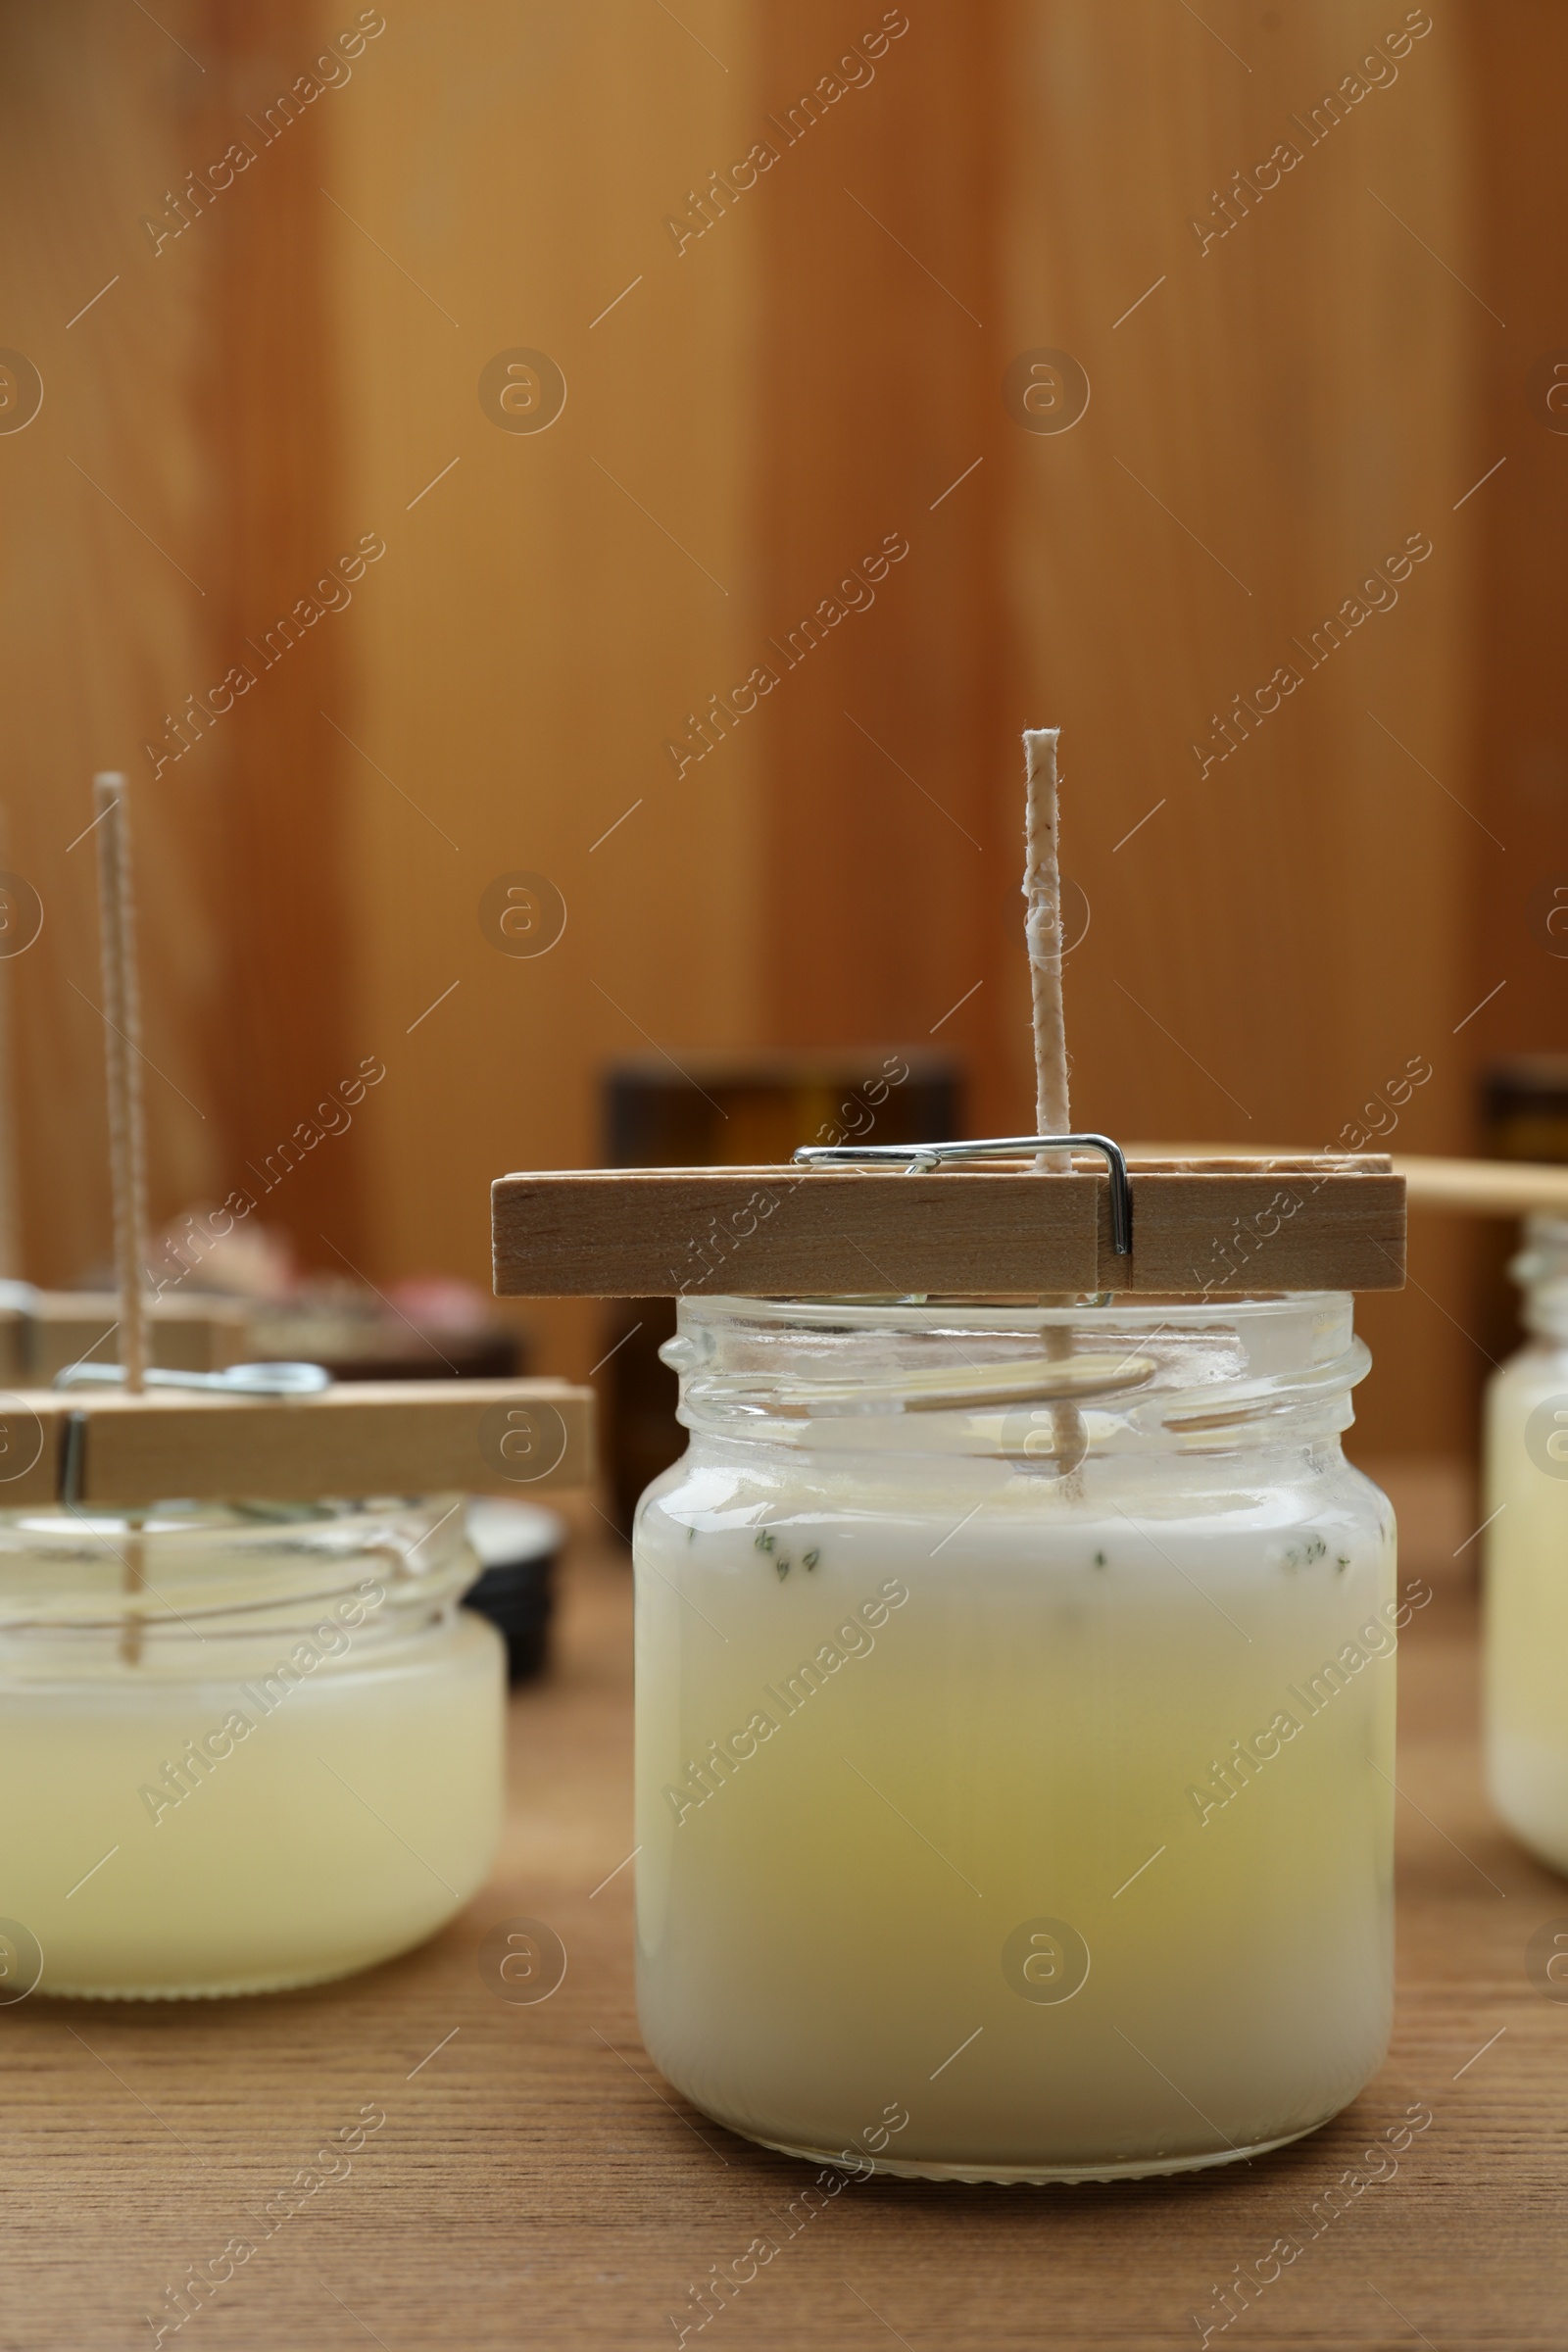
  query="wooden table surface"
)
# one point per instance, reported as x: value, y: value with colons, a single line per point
x: 535, y: 2183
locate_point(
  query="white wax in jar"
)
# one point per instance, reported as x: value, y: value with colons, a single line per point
x: 1160, y: 1724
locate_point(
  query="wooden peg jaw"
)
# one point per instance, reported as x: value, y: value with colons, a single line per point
x: 103, y: 1446
x: 1200, y: 1228
x: 1486, y: 1187
x: 41, y: 1332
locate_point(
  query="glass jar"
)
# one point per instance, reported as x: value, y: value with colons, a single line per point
x: 1015, y: 1734
x: 242, y: 1746
x: 1526, y: 1504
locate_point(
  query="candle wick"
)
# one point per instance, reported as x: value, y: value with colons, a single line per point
x: 128, y: 1143
x: 1041, y: 890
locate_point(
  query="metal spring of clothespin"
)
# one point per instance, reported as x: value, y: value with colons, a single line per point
x: 920, y: 1159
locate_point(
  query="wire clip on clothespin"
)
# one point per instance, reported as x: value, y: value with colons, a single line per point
x: 920, y: 1159
x: 236, y: 1380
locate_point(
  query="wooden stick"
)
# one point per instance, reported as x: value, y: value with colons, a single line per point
x: 1495, y: 1188
x: 1488, y: 1188
x: 127, y: 1148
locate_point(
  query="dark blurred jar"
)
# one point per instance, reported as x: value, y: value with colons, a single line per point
x: 432, y: 1327
x: 1525, y: 1106
x: 735, y: 1111
x: 518, y: 1546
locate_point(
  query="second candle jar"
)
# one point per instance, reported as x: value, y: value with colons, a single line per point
x: 1015, y: 1726
x: 279, y: 1759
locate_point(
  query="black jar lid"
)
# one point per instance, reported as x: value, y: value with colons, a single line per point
x: 517, y: 1544
x: 1525, y: 1103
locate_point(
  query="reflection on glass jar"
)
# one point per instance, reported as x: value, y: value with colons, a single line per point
x: 277, y: 1760
x: 1526, y: 1647
x: 1015, y: 1701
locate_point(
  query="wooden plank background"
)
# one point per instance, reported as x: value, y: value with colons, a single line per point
x: 747, y: 419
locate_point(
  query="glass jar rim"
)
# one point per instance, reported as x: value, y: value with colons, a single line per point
x: 200, y: 1570
x: 995, y: 1312
x: 983, y: 1376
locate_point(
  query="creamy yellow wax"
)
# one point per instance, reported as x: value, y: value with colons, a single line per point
x: 237, y: 1806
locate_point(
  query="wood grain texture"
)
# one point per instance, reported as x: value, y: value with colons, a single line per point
x: 271, y: 776
x: 174, y: 495
x: 357, y: 1437
x: 1274, y: 416
x: 549, y: 613
x: 778, y: 1232
x: 823, y: 365
x: 1290, y: 924
x: 105, y: 612
x: 496, y: 1436
x: 535, y: 2182
x: 1517, y: 57
x: 893, y: 767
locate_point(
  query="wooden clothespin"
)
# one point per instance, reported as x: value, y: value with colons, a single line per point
x: 250, y: 1436
x: 1053, y: 1214
x: 1200, y: 1228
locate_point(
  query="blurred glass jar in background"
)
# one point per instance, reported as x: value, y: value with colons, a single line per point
x: 278, y: 1758
x: 1014, y: 1729
x: 1525, y: 1655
